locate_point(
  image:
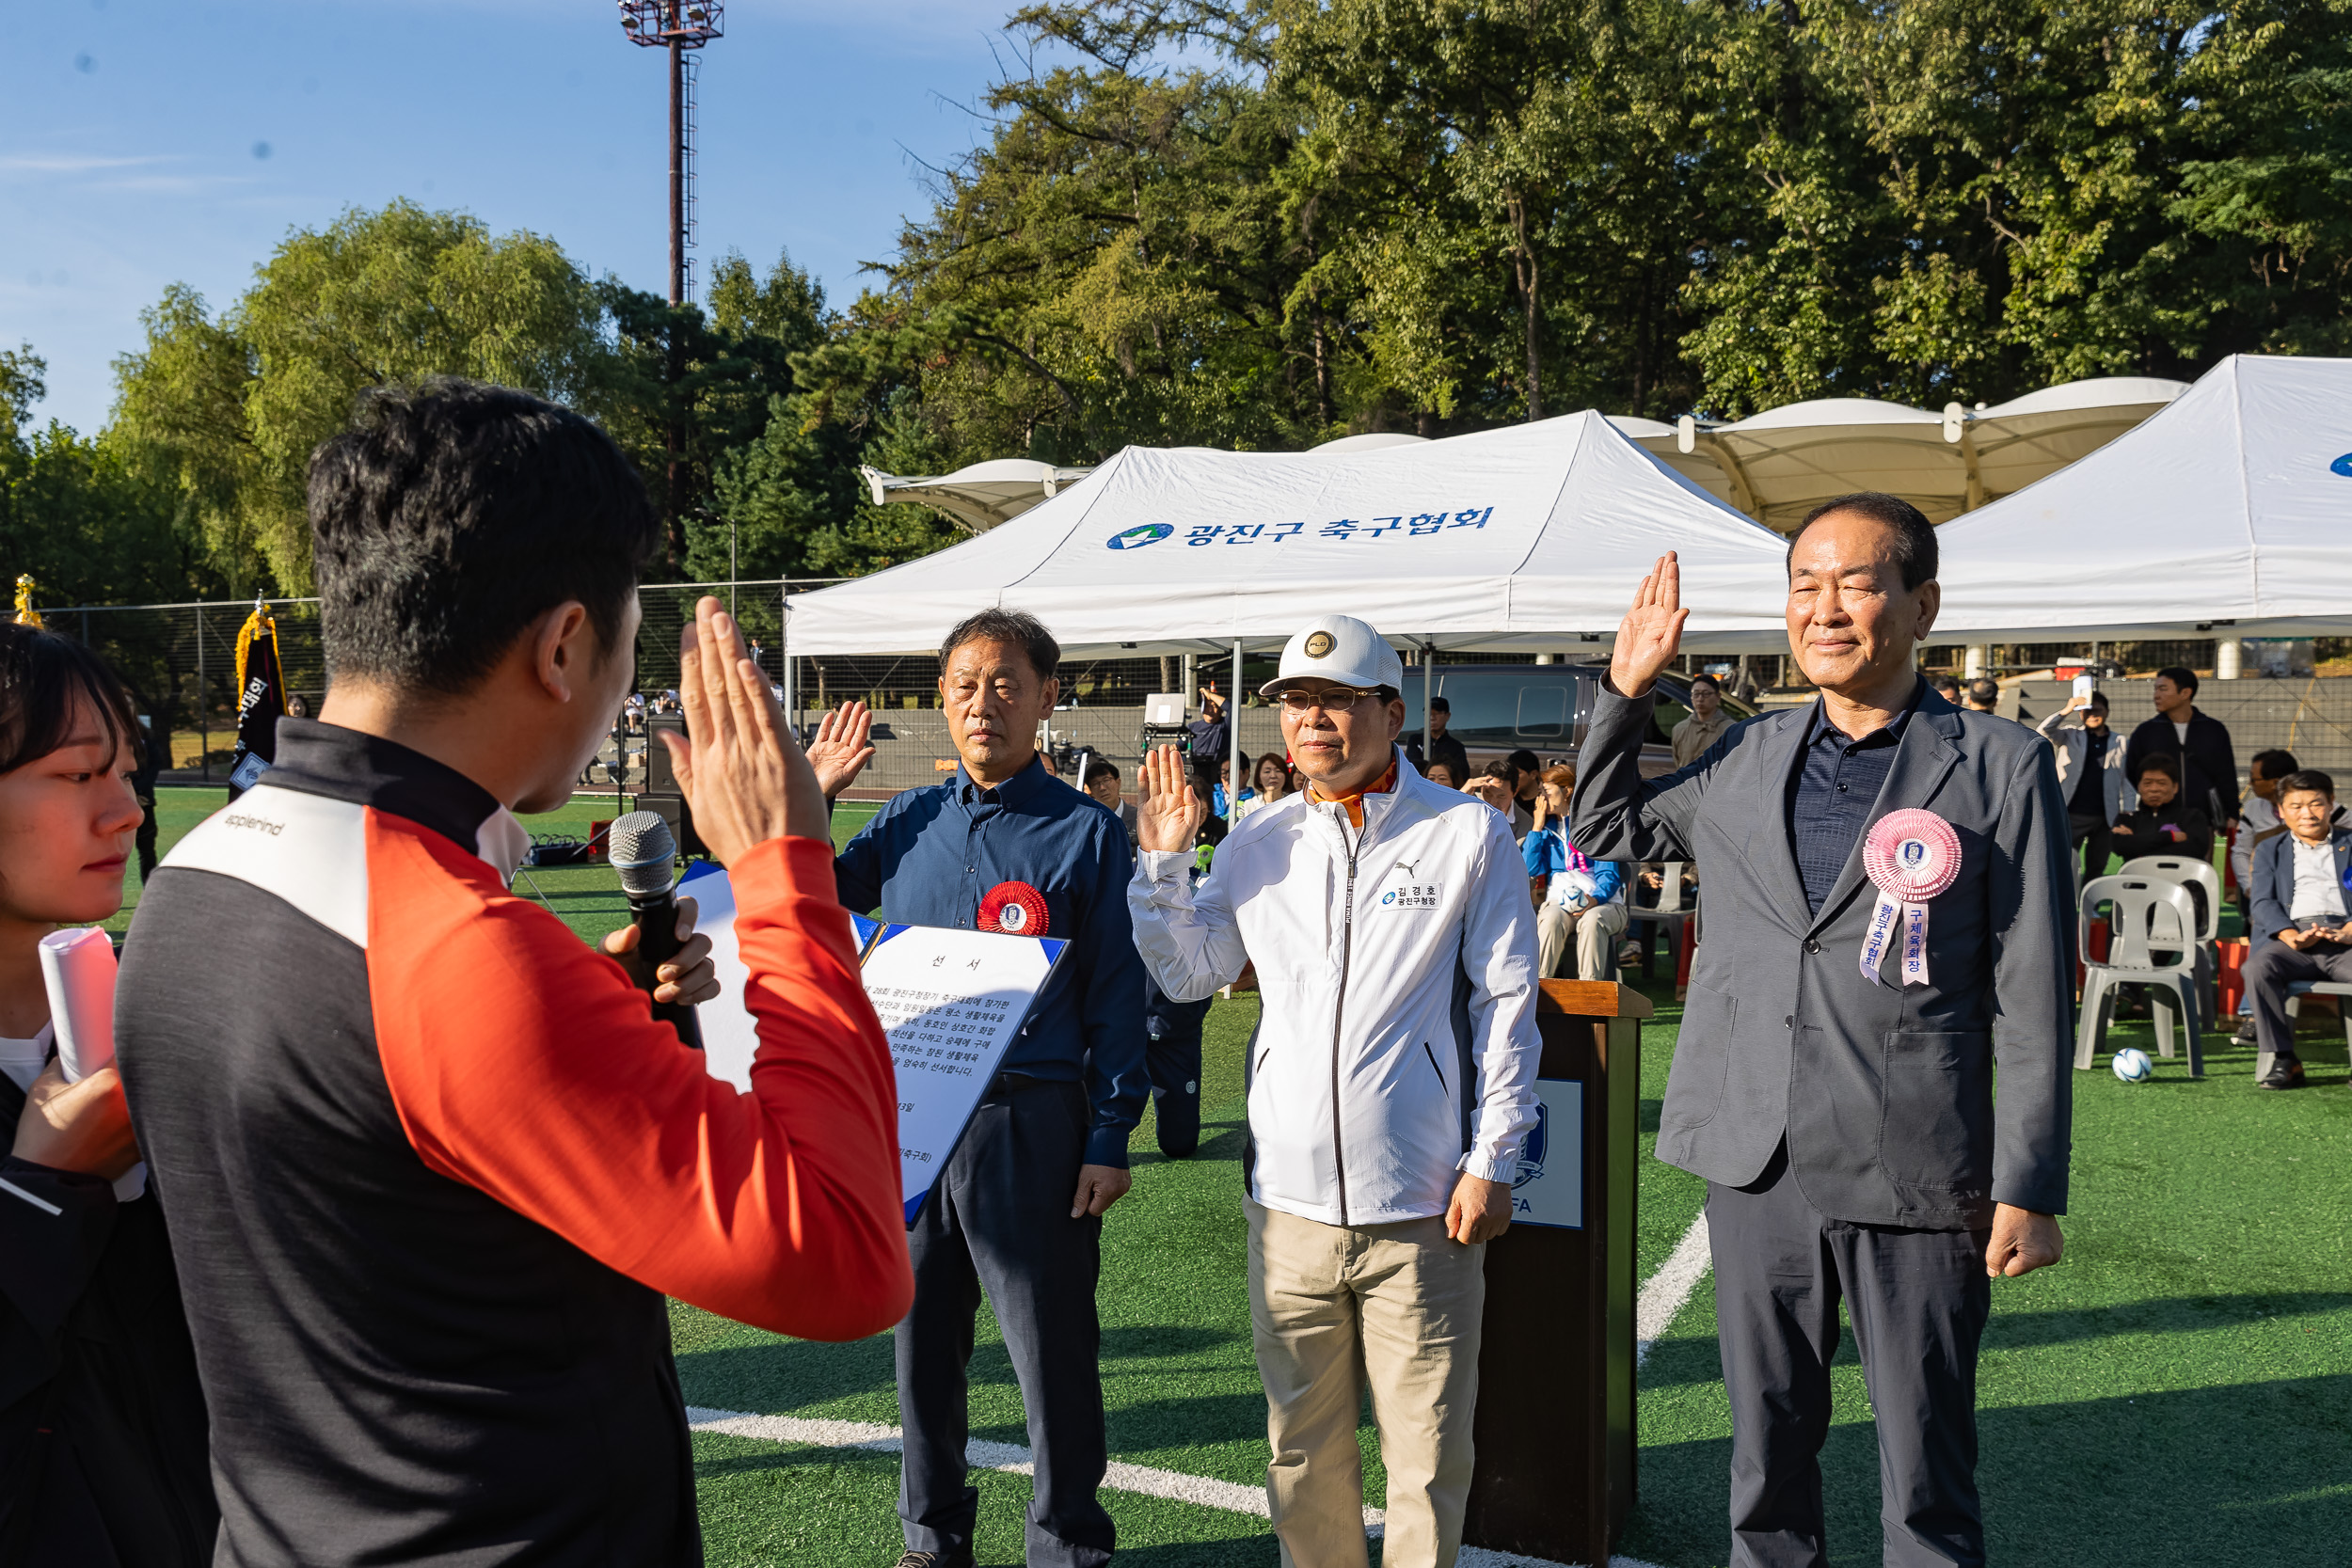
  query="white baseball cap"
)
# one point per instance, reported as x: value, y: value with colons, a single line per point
x: 1340, y: 649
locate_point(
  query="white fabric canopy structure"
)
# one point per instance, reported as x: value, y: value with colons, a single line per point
x: 1779, y: 465
x: 1526, y: 538
x: 2231, y: 510
x: 980, y: 495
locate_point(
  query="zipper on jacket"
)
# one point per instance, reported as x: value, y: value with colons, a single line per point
x: 1339, y: 1006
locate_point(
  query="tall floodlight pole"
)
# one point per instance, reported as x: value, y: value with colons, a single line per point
x: 680, y: 27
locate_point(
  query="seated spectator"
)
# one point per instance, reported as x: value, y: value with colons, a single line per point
x: 1983, y: 695
x: 1208, y: 782
x: 1498, y: 785
x: 1528, y: 770
x: 1443, y: 773
x: 1269, y: 782
x: 2258, y: 816
x: 1947, y: 688
x: 2257, y: 823
x: 1101, y: 782
x: 2297, y: 921
x: 1577, y: 899
x: 2164, y: 824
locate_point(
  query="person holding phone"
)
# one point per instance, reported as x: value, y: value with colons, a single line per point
x: 2089, y: 758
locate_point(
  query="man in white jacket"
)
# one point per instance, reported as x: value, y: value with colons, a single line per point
x: 1391, y: 1081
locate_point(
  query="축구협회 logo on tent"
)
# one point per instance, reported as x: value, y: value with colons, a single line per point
x: 2342, y: 465
x: 1140, y: 536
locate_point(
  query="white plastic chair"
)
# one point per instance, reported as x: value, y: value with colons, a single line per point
x: 2146, y: 915
x: 1677, y: 908
x: 2204, y: 884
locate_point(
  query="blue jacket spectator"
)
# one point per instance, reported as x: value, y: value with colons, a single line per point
x: 1550, y: 853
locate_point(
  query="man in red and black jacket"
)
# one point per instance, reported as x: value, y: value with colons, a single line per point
x: 431, y: 1165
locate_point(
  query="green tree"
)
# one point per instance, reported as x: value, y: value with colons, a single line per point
x: 232, y: 407
x: 89, y: 525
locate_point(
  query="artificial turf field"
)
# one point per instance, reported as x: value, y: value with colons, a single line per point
x: 2177, y: 1392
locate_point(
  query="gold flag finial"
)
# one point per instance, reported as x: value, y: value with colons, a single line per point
x: 25, y: 614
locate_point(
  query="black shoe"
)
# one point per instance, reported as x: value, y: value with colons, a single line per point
x: 2286, y: 1072
x: 960, y: 1557
x: 2245, y: 1034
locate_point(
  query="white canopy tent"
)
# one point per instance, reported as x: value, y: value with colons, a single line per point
x: 2231, y: 510
x: 1526, y: 538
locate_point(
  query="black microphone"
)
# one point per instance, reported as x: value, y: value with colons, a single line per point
x: 642, y: 850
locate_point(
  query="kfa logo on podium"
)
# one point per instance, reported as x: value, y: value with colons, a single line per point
x: 1550, y: 1189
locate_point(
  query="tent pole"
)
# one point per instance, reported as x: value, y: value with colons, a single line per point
x: 1233, y: 741
x: 1428, y: 652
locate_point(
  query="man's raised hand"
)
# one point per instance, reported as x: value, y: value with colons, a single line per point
x: 1651, y: 632
x: 739, y: 767
x: 843, y: 747
x: 1169, y: 817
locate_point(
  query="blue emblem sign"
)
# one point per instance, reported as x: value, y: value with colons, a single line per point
x: 1140, y: 536
x: 2342, y: 465
x: 1549, y: 1188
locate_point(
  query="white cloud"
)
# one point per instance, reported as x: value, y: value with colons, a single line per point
x: 69, y: 163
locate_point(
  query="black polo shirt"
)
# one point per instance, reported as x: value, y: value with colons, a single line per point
x: 1831, y: 798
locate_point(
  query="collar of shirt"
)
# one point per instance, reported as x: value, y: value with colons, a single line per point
x: 1892, y: 729
x: 1354, y: 803
x: 1012, y: 795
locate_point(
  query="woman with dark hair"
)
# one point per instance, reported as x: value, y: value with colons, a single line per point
x: 102, y: 1455
x: 1270, y: 782
x: 2163, y: 823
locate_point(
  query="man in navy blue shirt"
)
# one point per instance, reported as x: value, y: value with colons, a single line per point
x: 1018, y: 1211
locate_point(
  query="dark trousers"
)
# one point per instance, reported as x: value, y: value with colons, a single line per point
x: 1172, y: 1056
x: 2092, y: 839
x: 999, y: 1221
x: 1918, y: 1300
x: 2274, y: 967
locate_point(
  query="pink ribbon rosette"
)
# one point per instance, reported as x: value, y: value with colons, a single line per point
x: 1911, y: 856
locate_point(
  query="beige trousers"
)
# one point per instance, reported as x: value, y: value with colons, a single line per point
x: 1334, y: 1309
x: 1595, y: 928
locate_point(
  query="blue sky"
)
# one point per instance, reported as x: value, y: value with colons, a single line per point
x: 146, y: 142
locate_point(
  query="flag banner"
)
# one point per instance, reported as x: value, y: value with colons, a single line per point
x: 261, y: 699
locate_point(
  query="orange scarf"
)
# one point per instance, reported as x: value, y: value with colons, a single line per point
x: 1354, y: 803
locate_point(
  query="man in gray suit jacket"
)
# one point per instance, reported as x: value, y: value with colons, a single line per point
x: 1846, y: 1121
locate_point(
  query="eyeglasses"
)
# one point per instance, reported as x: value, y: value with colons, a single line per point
x: 1331, y: 699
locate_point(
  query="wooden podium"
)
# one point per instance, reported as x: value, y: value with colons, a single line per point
x: 1555, y: 1430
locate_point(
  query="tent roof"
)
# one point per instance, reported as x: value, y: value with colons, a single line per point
x: 980, y: 495
x: 1527, y: 538
x: 2226, y: 509
x: 1779, y: 465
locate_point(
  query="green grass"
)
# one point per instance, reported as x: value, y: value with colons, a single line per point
x: 2178, y: 1391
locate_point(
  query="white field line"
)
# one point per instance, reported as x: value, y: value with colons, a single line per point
x: 1661, y: 1298
x: 1230, y: 1497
